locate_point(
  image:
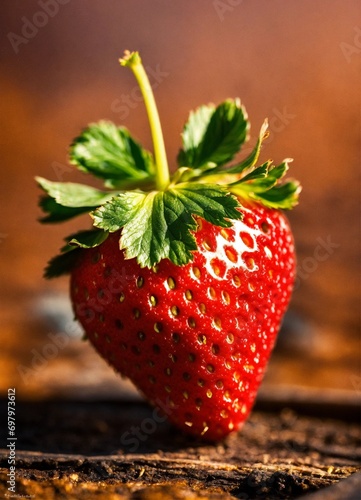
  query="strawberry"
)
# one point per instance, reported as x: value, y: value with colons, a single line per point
x: 183, y: 281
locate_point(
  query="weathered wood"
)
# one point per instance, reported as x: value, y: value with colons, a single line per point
x: 347, y: 489
x: 77, y: 449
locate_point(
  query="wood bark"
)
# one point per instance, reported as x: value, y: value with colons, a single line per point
x: 110, y: 449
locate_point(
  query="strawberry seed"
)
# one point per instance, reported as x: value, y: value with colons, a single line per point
x: 140, y: 282
x: 215, y: 349
x: 174, y: 311
x: 153, y: 300
x: 171, y: 283
x: 136, y: 313
x: 231, y: 255
x: 230, y: 338
x: 96, y: 257
x: 247, y: 239
x: 225, y: 297
x: 158, y: 327
x: 217, y: 323
x: 268, y: 252
x: 173, y: 358
x: 202, y: 339
x: 236, y: 280
x: 207, y: 245
x: 196, y: 272
x: 191, y: 322
x: 202, y: 308
x: 176, y: 337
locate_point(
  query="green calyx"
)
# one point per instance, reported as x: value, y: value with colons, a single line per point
x: 156, y: 211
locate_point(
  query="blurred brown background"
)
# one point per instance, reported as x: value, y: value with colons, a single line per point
x: 297, y: 63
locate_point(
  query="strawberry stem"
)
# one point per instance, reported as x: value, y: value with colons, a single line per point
x: 134, y: 62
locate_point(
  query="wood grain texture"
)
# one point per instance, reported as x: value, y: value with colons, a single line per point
x: 76, y: 448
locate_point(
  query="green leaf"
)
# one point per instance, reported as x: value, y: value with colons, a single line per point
x: 262, y: 178
x: 258, y: 173
x: 62, y: 264
x: 109, y: 152
x: 284, y: 196
x: 212, y: 203
x: 251, y: 160
x: 74, y: 195
x: 119, y: 211
x: 159, y: 225
x: 144, y: 237
x: 262, y: 184
x: 158, y: 214
x: 86, y: 239
x: 214, y: 137
x: 193, y: 133
x: 58, y: 213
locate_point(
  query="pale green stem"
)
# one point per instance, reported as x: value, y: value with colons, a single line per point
x: 133, y: 60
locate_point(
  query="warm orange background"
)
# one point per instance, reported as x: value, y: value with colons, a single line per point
x: 297, y: 63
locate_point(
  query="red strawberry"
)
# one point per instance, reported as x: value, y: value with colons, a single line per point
x: 195, y: 337
x: 183, y: 284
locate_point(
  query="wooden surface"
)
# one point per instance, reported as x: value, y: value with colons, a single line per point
x: 77, y: 448
x: 296, y: 63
